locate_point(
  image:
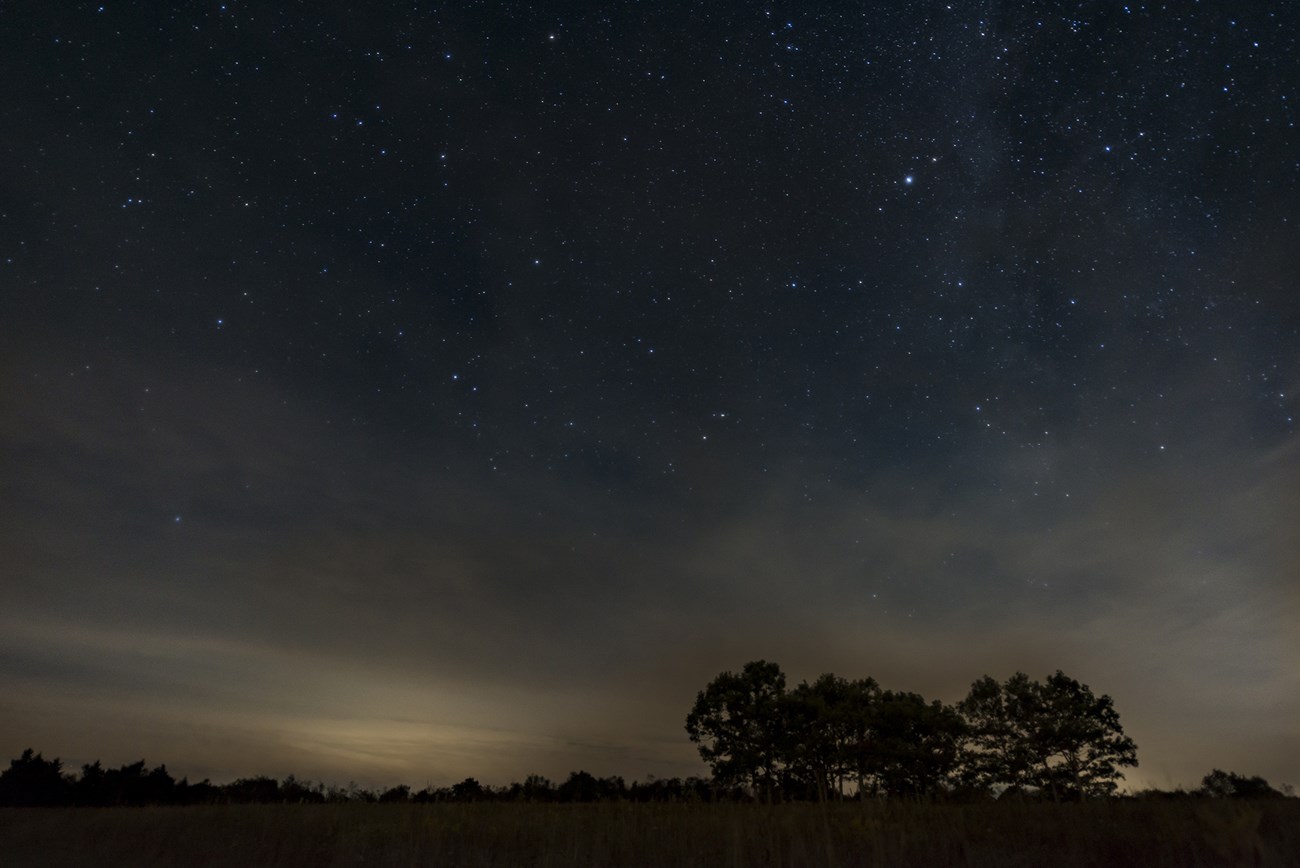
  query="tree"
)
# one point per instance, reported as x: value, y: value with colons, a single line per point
x: 859, y: 719
x: 737, y: 721
x: 295, y: 791
x: 205, y: 793
x: 92, y: 788
x: 1080, y: 745
x: 1230, y: 785
x: 260, y: 790
x: 1056, y: 736
x: 996, y: 751
x: 157, y: 787
x: 915, y: 745
x: 395, y: 795
x: 31, y: 780
x: 468, y: 790
x: 827, y: 730
x: 811, y: 747
x: 535, y: 788
x: 581, y: 786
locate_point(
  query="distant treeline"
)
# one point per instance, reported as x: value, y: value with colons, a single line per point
x: 33, y: 781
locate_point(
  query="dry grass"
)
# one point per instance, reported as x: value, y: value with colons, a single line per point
x: 1180, y: 833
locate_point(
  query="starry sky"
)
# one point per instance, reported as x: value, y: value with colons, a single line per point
x: 403, y: 391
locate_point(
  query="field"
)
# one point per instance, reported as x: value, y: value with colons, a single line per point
x: 1181, y: 833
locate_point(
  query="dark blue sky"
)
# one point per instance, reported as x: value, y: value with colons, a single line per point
x: 422, y: 392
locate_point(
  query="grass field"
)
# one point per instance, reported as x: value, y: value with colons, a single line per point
x: 1177, y: 833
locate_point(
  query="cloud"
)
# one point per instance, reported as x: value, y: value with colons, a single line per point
x: 337, y: 603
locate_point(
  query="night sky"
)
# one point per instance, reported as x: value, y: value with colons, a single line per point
x: 419, y: 390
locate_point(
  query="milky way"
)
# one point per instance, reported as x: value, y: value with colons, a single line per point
x: 415, y: 392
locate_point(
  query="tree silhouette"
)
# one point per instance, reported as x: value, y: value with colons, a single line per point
x: 536, y: 788
x: 468, y: 790
x: 294, y: 791
x: 915, y: 745
x: 260, y: 789
x: 815, y: 736
x: 737, y: 721
x: 580, y: 787
x: 32, y: 781
x: 998, y: 744
x: 395, y: 795
x: 828, y: 734
x: 1230, y: 785
x: 1055, y: 736
x: 93, y: 787
x: 858, y: 714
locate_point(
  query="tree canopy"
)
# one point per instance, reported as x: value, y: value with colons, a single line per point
x: 1230, y: 785
x: 739, y: 722
x: 1053, y: 737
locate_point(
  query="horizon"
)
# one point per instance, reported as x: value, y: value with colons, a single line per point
x: 1133, y: 780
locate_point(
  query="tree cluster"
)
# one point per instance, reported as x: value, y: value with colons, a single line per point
x: 835, y: 737
x: 1230, y: 785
